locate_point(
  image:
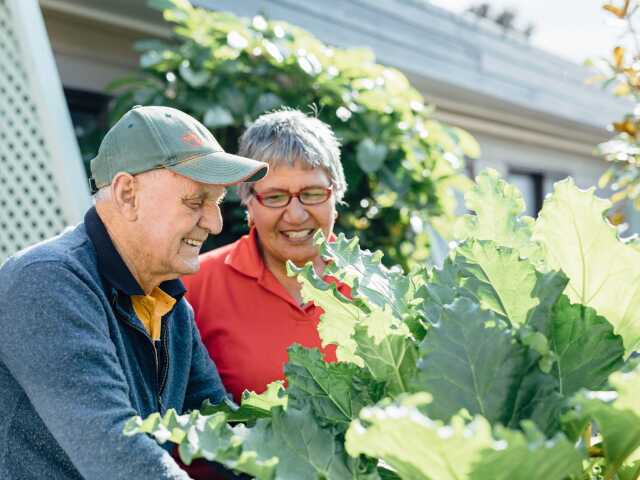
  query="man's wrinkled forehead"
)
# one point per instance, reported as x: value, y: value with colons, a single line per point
x: 204, y: 191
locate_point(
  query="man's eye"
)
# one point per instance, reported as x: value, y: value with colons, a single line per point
x: 195, y: 204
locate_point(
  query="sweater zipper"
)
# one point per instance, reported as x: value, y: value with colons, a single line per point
x: 159, y: 391
x: 159, y: 385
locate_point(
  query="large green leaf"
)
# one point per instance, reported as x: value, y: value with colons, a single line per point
x: 336, y: 392
x: 505, y: 283
x: 253, y: 405
x: 390, y: 358
x: 418, y: 447
x: 498, y: 208
x: 587, y: 351
x: 340, y: 317
x: 603, y: 272
x: 527, y: 455
x: 304, y: 449
x: 383, y: 343
x: 617, y: 421
x: 204, y: 436
x: 368, y: 278
x: 468, y: 360
x: 620, y: 429
x: 415, y: 446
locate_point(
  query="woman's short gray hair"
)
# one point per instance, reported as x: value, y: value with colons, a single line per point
x: 287, y: 136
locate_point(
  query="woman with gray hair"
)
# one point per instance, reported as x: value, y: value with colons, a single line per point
x: 247, y: 309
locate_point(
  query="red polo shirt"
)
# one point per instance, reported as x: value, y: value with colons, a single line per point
x: 247, y: 319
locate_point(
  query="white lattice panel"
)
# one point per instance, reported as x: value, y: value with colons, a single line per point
x: 33, y: 205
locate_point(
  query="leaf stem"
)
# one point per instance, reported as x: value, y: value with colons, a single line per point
x: 586, y: 438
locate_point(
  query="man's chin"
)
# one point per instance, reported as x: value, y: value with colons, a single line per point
x: 189, y: 267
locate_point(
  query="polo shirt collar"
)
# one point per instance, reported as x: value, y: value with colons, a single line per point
x: 246, y: 257
x: 111, y: 265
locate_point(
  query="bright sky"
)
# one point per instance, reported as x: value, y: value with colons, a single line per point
x: 573, y: 29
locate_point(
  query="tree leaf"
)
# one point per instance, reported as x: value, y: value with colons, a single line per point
x: 620, y: 429
x: 617, y: 421
x: 603, y: 272
x: 194, y: 78
x: 217, y: 117
x: 370, y: 155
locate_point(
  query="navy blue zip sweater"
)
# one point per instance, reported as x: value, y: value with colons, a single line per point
x: 76, y: 363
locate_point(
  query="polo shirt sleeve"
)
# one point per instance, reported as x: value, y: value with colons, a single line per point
x: 56, y: 345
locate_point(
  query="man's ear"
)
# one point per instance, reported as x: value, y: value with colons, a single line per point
x: 125, y: 195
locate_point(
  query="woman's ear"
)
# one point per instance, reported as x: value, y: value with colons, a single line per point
x: 125, y: 196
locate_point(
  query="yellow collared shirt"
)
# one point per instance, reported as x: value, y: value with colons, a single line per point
x: 151, y: 308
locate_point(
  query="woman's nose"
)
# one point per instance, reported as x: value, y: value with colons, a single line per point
x: 295, y: 212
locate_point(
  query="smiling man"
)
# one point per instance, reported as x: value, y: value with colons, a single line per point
x: 94, y: 326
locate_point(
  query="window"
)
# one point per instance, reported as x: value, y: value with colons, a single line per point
x: 89, y: 117
x: 534, y: 187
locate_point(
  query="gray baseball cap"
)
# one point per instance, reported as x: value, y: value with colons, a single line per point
x: 151, y: 137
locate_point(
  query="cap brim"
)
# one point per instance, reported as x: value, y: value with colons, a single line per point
x: 221, y: 168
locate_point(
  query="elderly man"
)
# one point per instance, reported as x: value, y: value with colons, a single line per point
x: 94, y: 325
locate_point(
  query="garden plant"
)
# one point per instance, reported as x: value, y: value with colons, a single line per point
x: 515, y: 360
x: 400, y: 163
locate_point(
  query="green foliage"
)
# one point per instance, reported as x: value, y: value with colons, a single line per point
x: 620, y: 73
x: 400, y: 163
x: 506, y: 381
x: 603, y: 272
x: 470, y: 360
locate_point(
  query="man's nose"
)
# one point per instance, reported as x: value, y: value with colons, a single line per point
x: 211, y: 219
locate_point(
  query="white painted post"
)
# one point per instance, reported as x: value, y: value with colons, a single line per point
x: 47, y: 93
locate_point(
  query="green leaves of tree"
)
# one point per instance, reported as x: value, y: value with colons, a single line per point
x: 243, y: 67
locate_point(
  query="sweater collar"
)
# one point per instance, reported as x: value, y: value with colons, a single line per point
x: 112, y: 266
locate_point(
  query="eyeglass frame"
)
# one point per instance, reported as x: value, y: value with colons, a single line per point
x: 259, y: 196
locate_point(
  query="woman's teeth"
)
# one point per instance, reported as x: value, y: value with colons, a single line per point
x: 298, y: 234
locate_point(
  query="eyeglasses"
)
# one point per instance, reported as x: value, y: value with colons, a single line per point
x: 282, y: 198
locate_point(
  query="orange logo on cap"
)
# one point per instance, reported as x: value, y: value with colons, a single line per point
x: 192, y: 139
